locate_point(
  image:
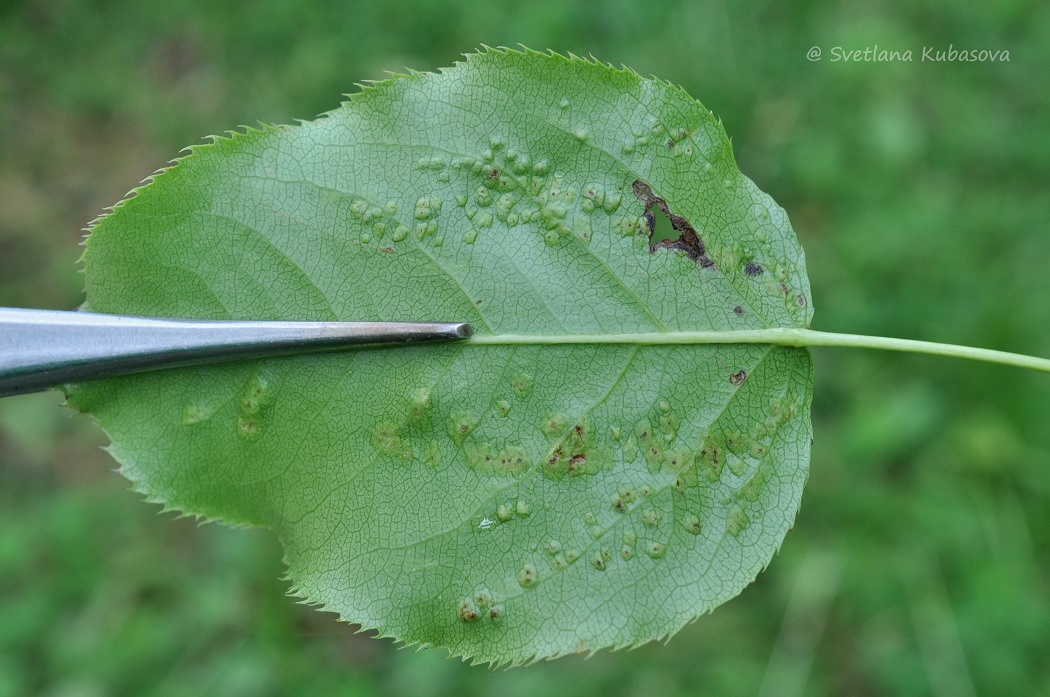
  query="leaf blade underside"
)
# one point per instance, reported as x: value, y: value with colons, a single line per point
x: 506, y: 502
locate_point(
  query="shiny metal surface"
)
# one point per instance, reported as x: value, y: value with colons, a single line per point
x: 43, y: 348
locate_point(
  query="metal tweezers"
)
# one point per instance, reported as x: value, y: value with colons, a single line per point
x: 45, y: 348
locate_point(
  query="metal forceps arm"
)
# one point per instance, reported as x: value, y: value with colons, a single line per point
x: 43, y: 348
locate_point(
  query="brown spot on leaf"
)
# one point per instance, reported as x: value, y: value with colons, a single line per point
x: 468, y: 611
x: 753, y: 269
x: 738, y: 377
x: 738, y: 311
x: 688, y: 241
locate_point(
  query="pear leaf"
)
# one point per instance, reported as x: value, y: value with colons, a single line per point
x: 507, y: 502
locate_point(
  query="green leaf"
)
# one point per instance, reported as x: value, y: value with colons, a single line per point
x: 509, y: 502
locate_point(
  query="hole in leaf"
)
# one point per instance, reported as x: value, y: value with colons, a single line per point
x: 682, y: 237
x: 662, y: 230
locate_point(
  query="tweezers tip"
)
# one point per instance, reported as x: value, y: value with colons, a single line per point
x: 464, y: 331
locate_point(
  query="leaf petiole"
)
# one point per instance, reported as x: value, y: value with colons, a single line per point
x: 779, y: 336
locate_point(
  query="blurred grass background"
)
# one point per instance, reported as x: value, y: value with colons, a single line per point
x: 920, y: 562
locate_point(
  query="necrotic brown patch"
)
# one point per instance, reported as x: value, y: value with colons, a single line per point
x: 687, y: 241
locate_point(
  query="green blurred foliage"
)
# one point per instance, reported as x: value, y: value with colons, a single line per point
x: 920, y: 561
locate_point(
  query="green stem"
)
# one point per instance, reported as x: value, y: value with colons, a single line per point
x: 776, y: 336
